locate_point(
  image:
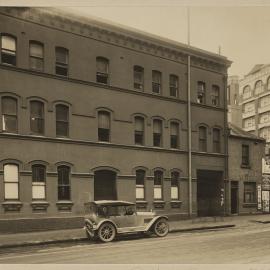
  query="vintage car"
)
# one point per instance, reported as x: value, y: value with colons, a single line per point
x: 105, y: 220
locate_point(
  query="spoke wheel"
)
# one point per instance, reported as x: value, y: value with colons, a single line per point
x: 161, y: 227
x: 106, y: 232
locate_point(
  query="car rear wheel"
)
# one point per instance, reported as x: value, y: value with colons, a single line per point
x: 106, y: 232
x: 161, y: 227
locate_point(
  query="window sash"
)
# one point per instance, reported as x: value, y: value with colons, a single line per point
x: 174, y: 141
x: 103, y: 134
x: 245, y: 155
x: 174, y: 192
x: 8, y: 43
x: 38, y: 190
x: 139, y: 137
x: 102, y: 66
x: 157, y: 192
x: 11, y: 173
x: 139, y: 124
x: 202, y: 145
x: 249, y: 192
x: 38, y: 174
x: 11, y: 190
x: 62, y: 128
x: 9, y: 106
x: 36, y: 50
x: 37, y: 125
x: 9, y: 123
x: 157, y: 139
x: 103, y: 120
x: 61, y: 56
x: 140, y: 192
x: 63, y: 192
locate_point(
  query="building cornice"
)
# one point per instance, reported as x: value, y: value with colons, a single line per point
x: 134, y: 40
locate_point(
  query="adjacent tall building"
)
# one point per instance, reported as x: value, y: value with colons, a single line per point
x: 92, y: 111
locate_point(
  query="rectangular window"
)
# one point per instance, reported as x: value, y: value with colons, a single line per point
x: 156, y: 82
x: 61, y: 61
x: 38, y: 182
x: 174, y: 135
x: 140, y: 178
x: 36, y: 56
x: 62, y: 121
x: 245, y: 155
x: 249, y: 192
x: 158, y: 181
x: 37, y: 117
x: 11, y: 182
x: 139, y: 130
x: 216, y: 140
x: 201, y: 92
x: 138, y: 77
x: 103, y: 126
x: 173, y: 86
x: 9, y: 114
x: 63, y: 183
x: 202, y: 139
x: 102, y: 66
x: 8, y: 50
x: 175, y: 186
x: 215, y: 95
x: 157, y: 133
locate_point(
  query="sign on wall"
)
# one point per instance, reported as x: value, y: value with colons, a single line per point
x: 265, y: 201
x: 259, y: 197
x: 266, y: 182
x: 265, y: 165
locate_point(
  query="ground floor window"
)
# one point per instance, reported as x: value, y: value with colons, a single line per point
x: 11, y: 182
x: 38, y: 182
x: 175, y: 185
x: 250, y: 192
x: 158, y: 180
x: 63, y: 183
x: 140, y: 175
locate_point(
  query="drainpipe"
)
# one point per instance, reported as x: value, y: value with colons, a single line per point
x: 189, y: 142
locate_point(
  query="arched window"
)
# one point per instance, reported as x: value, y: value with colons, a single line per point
x: 174, y: 85
x: 138, y: 77
x: 202, y: 139
x: 140, y: 179
x: 11, y: 182
x: 38, y: 182
x: 61, y: 61
x: 37, y: 117
x: 156, y: 81
x: 62, y: 120
x: 8, y: 50
x: 157, y: 132
x: 102, y: 70
x: 175, y: 185
x: 216, y: 140
x: 215, y: 96
x: 201, y: 92
x: 9, y: 114
x: 139, y: 130
x: 158, y: 183
x: 104, y: 126
x: 63, y: 183
x: 258, y: 87
x: 36, y: 54
x: 246, y: 92
x: 174, y: 135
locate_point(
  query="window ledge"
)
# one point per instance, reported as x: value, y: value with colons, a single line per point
x: 246, y: 205
x: 175, y: 203
x: 64, y: 205
x: 141, y: 204
x: 159, y: 204
x: 245, y: 166
x: 39, y: 205
x: 12, y: 206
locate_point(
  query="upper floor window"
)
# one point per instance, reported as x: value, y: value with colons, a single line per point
x: 249, y: 192
x: 63, y: 183
x: 61, y: 61
x: 216, y: 140
x: 11, y: 181
x: 174, y: 85
x: 103, y: 126
x: 229, y: 95
x: 102, y: 65
x: 9, y: 114
x: 245, y: 155
x: 157, y: 132
x: 175, y: 185
x: 38, y: 182
x: 158, y: 182
x: 139, y: 130
x: 215, y: 96
x: 264, y: 101
x: 140, y: 178
x: 174, y: 135
x: 156, y: 81
x: 249, y: 122
x: 36, y: 53
x: 37, y: 117
x: 249, y: 107
x: 258, y: 87
x: 202, y: 139
x: 201, y: 92
x: 138, y: 77
x: 8, y: 50
x: 246, y: 92
x: 62, y: 120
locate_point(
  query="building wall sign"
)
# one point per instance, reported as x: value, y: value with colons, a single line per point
x: 259, y: 197
x: 266, y: 182
x: 266, y: 165
x: 265, y: 201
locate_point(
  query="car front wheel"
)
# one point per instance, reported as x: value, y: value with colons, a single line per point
x: 106, y: 232
x: 161, y: 227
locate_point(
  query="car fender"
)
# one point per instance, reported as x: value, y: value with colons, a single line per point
x: 150, y: 224
x: 106, y: 220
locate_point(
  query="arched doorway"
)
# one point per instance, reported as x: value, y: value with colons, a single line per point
x: 105, y: 185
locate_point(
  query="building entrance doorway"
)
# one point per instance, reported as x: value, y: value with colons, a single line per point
x: 234, y: 197
x: 105, y: 185
x: 209, y: 184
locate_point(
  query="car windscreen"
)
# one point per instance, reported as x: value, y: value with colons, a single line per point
x: 90, y: 208
x: 115, y: 210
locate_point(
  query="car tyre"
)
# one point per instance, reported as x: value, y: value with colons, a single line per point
x: 161, y: 227
x: 106, y: 232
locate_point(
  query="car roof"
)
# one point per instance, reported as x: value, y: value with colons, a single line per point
x: 112, y: 202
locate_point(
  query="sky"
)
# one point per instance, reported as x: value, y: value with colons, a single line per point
x: 241, y: 28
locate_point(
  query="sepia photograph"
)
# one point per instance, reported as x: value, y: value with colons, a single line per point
x: 135, y: 134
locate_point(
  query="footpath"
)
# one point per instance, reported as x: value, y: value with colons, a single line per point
x: 73, y: 235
